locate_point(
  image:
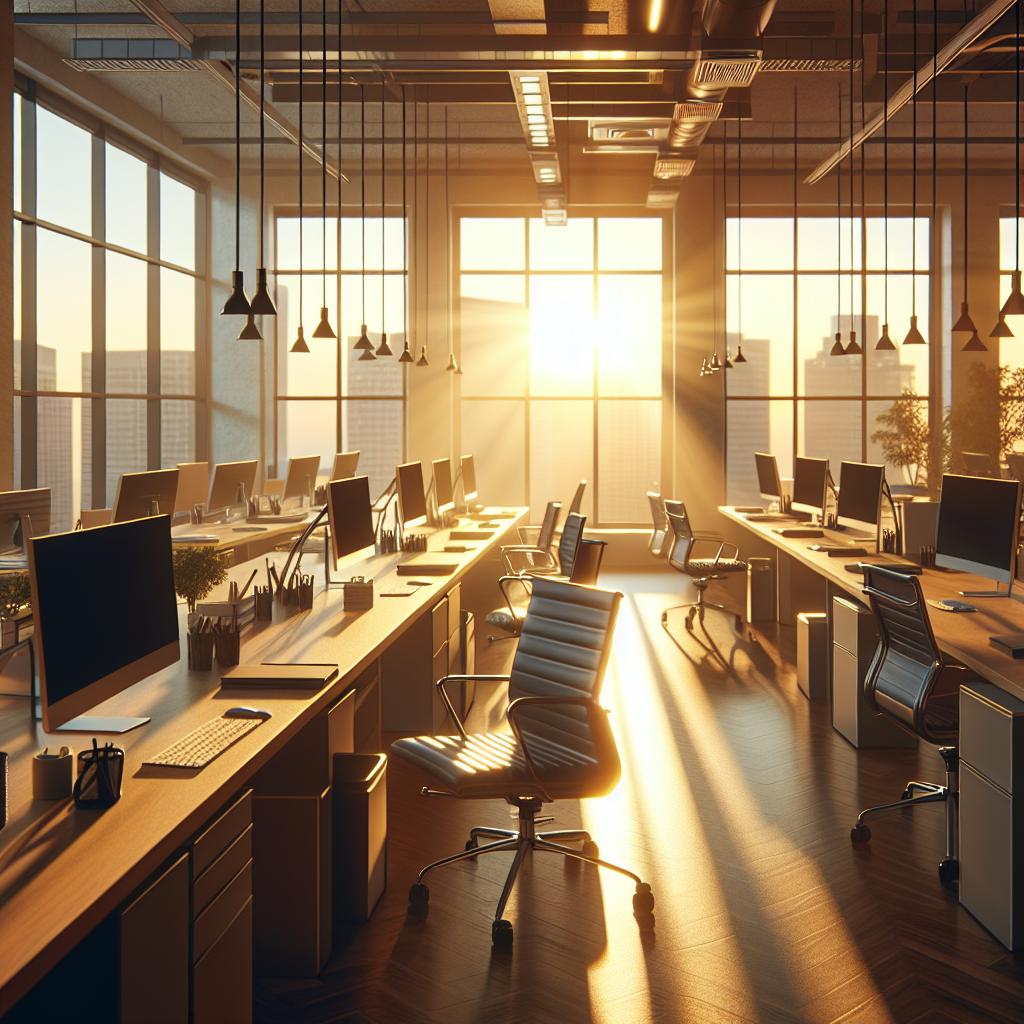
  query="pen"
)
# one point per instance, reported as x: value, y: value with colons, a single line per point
x: 248, y: 583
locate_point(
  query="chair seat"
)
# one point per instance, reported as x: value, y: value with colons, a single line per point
x: 709, y: 565
x: 491, y: 765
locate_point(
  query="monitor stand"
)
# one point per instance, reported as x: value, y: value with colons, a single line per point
x: 989, y: 593
x: 101, y: 723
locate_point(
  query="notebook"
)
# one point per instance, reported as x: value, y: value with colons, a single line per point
x: 305, y: 677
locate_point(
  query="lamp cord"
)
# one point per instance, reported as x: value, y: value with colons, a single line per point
x: 383, y: 187
x: 300, y: 163
x: 885, y: 160
x: 362, y: 189
x: 913, y: 180
x: 259, y: 224
x: 238, y: 131
x: 323, y: 150
x: 405, y: 235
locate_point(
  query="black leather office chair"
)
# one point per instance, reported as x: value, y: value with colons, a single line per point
x: 518, y: 557
x: 912, y: 682
x: 658, y: 544
x: 685, y: 542
x: 577, y: 499
x: 560, y: 745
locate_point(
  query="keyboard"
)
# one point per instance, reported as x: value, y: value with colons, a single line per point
x: 768, y: 517
x: 204, y: 744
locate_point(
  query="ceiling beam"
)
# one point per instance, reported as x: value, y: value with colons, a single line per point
x: 476, y: 94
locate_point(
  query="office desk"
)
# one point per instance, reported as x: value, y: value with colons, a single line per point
x: 62, y: 871
x: 246, y: 540
x: 962, y: 635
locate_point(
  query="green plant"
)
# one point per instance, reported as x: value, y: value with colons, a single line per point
x: 989, y: 413
x: 197, y: 570
x: 15, y: 593
x: 907, y: 440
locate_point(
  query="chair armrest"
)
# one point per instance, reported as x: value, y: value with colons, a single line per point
x: 722, y: 544
x: 463, y: 679
x: 505, y: 584
x: 532, y: 557
x: 528, y: 532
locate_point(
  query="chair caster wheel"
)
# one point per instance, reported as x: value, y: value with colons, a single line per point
x: 643, y: 900
x: 859, y: 834
x: 949, y: 871
x: 419, y: 899
x: 689, y: 619
x: 501, y: 935
x: 590, y: 849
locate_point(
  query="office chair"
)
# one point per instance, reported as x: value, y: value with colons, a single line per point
x: 577, y: 499
x: 685, y: 541
x: 979, y: 464
x: 658, y: 544
x: 912, y: 682
x: 560, y: 745
x: 539, y: 554
x: 1015, y: 465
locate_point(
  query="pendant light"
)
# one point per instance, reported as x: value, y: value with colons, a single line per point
x: 885, y: 343
x: 299, y: 345
x: 853, y: 348
x: 1014, y: 304
x: 965, y: 324
x: 324, y: 329
x: 717, y: 265
x: 914, y: 336
x: 837, y: 348
x: 739, y: 242
x: 262, y: 304
x: 406, y: 356
x: 383, y: 349
x: 237, y: 304
x: 364, y: 344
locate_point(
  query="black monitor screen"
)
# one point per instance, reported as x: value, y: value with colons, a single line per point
x: 978, y: 522
x: 103, y: 599
x: 443, y: 483
x: 768, y: 475
x: 860, y: 492
x: 468, y: 477
x: 351, y: 517
x: 411, y: 499
x: 809, y: 480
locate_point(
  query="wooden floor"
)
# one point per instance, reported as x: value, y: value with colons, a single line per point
x: 735, y: 804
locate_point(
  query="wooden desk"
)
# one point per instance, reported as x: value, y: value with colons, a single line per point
x: 62, y: 871
x: 962, y: 635
x: 246, y: 540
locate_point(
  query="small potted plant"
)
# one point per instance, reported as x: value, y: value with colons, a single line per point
x: 198, y: 568
x: 15, y: 594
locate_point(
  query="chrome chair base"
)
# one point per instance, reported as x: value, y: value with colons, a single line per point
x: 522, y: 841
x: 931, y: 793
x: 698, y: 606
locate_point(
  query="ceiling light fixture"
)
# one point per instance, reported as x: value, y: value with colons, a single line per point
x: 654, y: 15
x: 1014, y: 304
x: 250, y: 331
x: 837, y: 348
x: 965, y: 323
x: 364, y: 344
x: 383, y: 349
x: 853, y: 348
x: 237, y: 304
x: 262, y: 304
x: 914, y: 336
x: 299, y: 345
x: 323, y: 329
x: 406, y: 356
x: 885, y: 343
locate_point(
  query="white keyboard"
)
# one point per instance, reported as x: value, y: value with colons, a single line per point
x: 202, y: 745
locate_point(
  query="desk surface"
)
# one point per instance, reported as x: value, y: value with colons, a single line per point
x: 62, y: 870
x: 963, y: 635
x: 237, y: 534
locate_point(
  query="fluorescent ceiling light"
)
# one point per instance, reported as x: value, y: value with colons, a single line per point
x: 530, y: 88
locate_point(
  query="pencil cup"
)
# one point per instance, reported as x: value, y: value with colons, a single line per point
x: 200, y: 652
x: 3, y: 789
x: 52, y: 775
x: 305, y: 591
x: 227, y: 648
x: 99, y: 777
x: 264, y: 606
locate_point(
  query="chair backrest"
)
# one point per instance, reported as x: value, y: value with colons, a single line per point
x: 1015, y: 464
x: 587, y: 565
x: 563, y: 652
x: 659, y: 524
x: 577, y: 498
x: 569, y: 542
x: 979, y: 464
x: 907, y: 663
x: 550, y: 523
x: 682, y: 534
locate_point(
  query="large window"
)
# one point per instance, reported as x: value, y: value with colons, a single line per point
x: 327, y: 400
x: 562, y: 343
x: 107, y: 285
x: 790, y: 285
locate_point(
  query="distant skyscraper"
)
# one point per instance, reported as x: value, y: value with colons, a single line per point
x: 749, y: 422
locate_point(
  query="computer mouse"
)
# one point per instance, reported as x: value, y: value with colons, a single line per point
x: 246, y: 712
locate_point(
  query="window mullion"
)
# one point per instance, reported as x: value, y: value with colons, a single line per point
x: 98, y: 406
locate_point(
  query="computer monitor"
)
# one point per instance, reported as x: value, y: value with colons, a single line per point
x: 227, y: 478
x: 979, y: 464
x: 22, y: 514
x: 810, y: 484
x: 468, y: 470
x: 769, y: 483
x: 150, y: 493
x: 300, y: 480
x: 412, y: 502
x: 351, y: 519
x: 860, y: 495
x: 105, y: 617
x: 978, y: 523
x: 193, y: 485
x: 344, y: 465
x: 443, y: 486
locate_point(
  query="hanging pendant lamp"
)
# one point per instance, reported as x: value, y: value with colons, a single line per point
x: 719, y: 267
x: 914, y: 336
x: 885, y: 343
x: 262, y: 304
x: 383, y: 349
x: 838, y: 348
x: 1014, y: 304
x: 323, y: 329
x: 406, y: 356
x: 299, y: 345
x: 363, y: 344
x: 739, y: 241
x: 237, y: 304
x: 852, y: 348
x: 250, y: 330
x: 965, y: 324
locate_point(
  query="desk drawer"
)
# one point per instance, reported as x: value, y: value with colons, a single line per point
x: 213, y: 922
x: 212, y: 881
x: 222, y: 981
x: 992, y: 735
x: 221, y: 833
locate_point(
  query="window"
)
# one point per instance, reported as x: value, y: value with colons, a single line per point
x: 92, y: 366
x: 326, y: 399
x: 789, y: 288
x: 562, y: 342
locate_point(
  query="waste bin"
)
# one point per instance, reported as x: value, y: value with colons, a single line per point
x: 760, y: 590
x: 360, y: 824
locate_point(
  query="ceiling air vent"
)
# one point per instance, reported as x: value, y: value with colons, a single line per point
x: 131, y: 55
x: 725, y: 71
x: 821, y: 65
x: 695, y: 110
x: 670, y: 168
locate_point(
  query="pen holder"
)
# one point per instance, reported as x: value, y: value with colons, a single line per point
x: 200, y: 652
x: 357, y: 594
x: 99, y: 777
x: 264, y: 606
x: 227, y: 644
x: 3, y: 789
x: 305, y: 596
x: 52, y: 775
